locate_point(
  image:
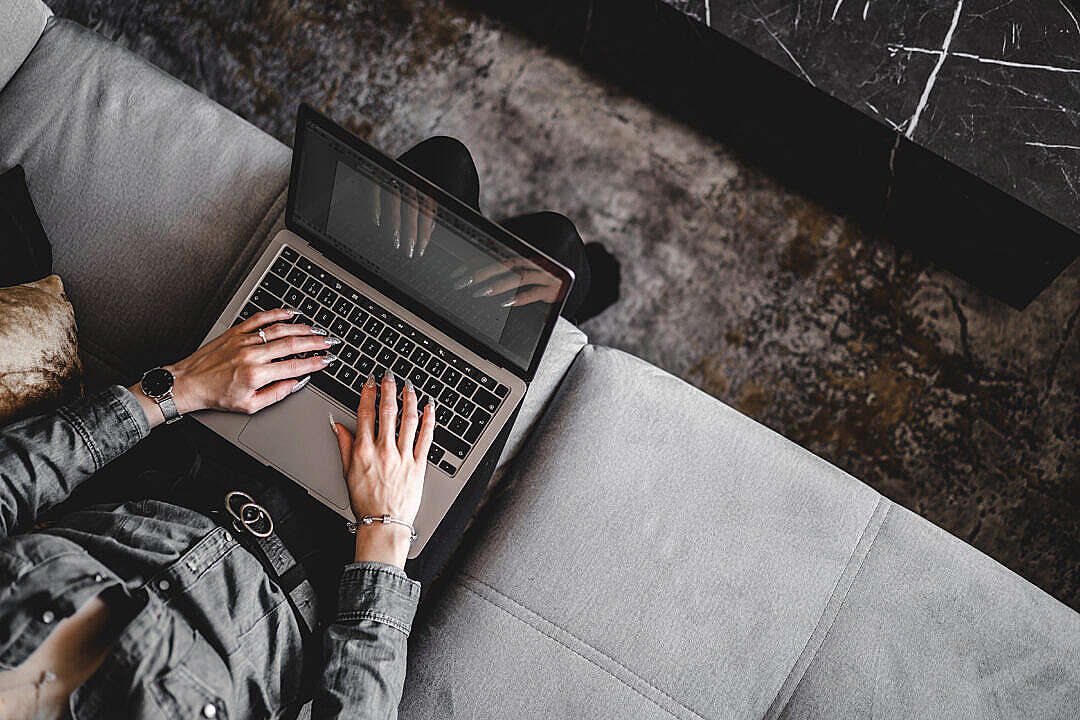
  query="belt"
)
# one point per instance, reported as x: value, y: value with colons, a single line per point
x: 254, y: 528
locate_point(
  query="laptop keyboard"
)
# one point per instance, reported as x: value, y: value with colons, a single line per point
x: 373, y: 339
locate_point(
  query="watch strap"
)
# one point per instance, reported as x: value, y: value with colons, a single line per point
x: 168, y: 409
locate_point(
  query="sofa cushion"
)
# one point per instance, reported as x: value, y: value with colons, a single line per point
x: 154, y: 197
x: 21, y: 23
x: 652, y: 553
x: 932, y: 628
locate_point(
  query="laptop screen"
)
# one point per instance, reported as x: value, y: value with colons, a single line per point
x: 402, y: 235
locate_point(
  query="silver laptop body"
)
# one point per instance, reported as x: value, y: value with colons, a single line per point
x: 476, y: 356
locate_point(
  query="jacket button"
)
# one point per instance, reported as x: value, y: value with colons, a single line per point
x: 98, y: 577
x: 209, y: 710
x: 163, y: 585
x: 48, y: 616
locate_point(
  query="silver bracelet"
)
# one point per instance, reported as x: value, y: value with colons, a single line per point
x: 384, y: 519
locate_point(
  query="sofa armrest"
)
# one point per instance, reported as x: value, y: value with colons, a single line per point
x: 21, y: 24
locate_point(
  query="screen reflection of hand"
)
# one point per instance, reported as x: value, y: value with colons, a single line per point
x: 411, y: 221
x: 532, y: 285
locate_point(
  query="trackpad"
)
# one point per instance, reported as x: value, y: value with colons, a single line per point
x: 294, y: 436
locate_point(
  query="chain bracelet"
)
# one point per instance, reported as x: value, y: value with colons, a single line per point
x: 352, y: 527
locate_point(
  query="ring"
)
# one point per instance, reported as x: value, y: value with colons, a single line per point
x: 262, y: 334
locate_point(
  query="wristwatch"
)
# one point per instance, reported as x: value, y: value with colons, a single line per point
x: 157, y: 384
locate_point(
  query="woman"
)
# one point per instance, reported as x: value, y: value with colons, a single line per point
x: 162, y: 606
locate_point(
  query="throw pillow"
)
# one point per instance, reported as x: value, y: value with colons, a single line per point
x: 39, y: 349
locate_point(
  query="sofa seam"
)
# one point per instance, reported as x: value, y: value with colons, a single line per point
x: 769, y: 714
x: 577, y: 652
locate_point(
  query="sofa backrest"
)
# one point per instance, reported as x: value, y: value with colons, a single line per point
x: 21, y: 23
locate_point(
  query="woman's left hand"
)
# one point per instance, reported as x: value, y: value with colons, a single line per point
x: 235, y: 371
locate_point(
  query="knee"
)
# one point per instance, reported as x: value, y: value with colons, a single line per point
x: 450, y: 152
x: 558, y: 226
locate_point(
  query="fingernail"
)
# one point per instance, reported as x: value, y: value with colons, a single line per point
x: 378, y: 215
x: 482, y: 293
x: 463, y: 282
x: 300, y: 385
x: 333, y: 426
x: 292, y: 311
x: 329, y: 358
x: 333, y: 340
x: 409, y: 386
x: 397, y: 239
x: 388, y: 375
x: 319, y: 331
x: 508, y: 303
x: 370, y: 382
x: 423, y: 249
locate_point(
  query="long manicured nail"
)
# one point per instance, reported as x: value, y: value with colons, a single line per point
x: 329, y: 358
x: 409, y: 386
x: 482, y: 293
x: 508, y: 303
x: 370, y: 382
x: 389, y: 375
x: 292, y: 311
x: 463, y: 282
x: 333, y: 425
x: 423, y: 249
x: 300, y: 385
x: 319, y: 331
x: 378, y: 215
x: 397, y: 239
x: 331, y: 340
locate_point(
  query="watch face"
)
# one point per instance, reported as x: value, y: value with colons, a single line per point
x: 157, y: 382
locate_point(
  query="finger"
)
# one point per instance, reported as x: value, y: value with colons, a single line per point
x: 345, y: 446
x: 410, y: 222
x: 287, y: 329
x: 407, y: 431
x: 427, y: 225
x: 291, y: 345
x: 365, y: 413
x: 387, y: 410
x: 395, y: 216
x: 273, y: 393
x: 539, y: 293
x: 427, y: 429
x: 489, y: 271
x: 271, y: 372
x: 263, y: 318
x: 512, y: 281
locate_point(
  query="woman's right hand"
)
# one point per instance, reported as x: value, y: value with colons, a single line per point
x: 385, y: 474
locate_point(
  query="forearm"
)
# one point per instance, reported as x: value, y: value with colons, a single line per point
x: 45, y: 457
x: 365, y: 649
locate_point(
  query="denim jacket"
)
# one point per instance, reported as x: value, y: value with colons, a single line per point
x: 212, y: 635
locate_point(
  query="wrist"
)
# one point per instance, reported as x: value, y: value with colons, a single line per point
x: 382, y: 543
x: 183, y: 391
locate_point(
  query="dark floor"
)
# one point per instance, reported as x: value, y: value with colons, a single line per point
x: 948, y: 402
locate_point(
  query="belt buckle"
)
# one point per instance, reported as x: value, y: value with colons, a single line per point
x: 249, y: 516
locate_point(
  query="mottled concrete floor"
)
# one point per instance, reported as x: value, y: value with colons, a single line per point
x: 948, y: 402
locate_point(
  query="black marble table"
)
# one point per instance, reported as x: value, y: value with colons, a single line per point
x: 953, y: 126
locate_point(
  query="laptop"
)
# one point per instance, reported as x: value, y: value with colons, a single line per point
x: 396, y: 268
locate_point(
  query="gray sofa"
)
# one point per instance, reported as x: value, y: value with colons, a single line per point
x: 647, y: 551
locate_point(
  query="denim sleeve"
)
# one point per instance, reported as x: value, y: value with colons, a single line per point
x: 45, y: 457
x: 365, y: 648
